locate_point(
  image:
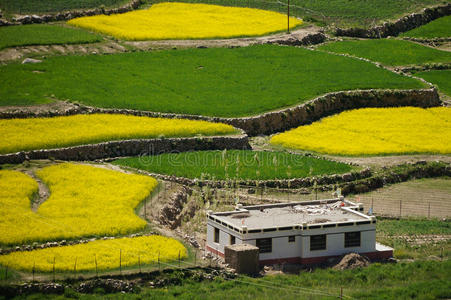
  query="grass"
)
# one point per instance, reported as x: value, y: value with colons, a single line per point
x: 374, y: 131
x: 439, y: 28
x: 413, y: 226
x: 195, y: 81
x: 57, y: 132
x: 416, y: 238
x: 174, y: 21
x: 43, y: 34
x: 389, y: 52
x: 418, y: 280
x: 52, y: 6
x: 235, y: 164
x: 442, y: 78
x: 337, y: 12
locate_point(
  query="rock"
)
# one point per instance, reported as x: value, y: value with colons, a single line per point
x: 352, y: 261
x: 31, y: 61
x: 36, y: 19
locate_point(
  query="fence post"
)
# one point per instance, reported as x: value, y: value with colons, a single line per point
x: 179, y: 259
x: 159, y: 266
x: 400, y: 207
x: 195, y: 257
x: 139, y: 263
x: 120, y: 261
x: 341, y: 293
x: 75, y: 268
x: 429, y: 210
x: 95, y: 258
x: 6, y: 272
x: 34, y: 266
x: 288, y: 17
x: 53, y: 268
x: 145, y: 209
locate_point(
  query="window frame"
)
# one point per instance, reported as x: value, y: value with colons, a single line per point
x: 216, y: 235
x: 318, y: 247
x: 350, y: 242
x: 232, y: 240
x: 291, y: 239
x: 264, y: 248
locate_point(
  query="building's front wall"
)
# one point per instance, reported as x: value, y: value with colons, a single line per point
x: 299, y: 250
x: 281, y: 247
x: 335, y: 241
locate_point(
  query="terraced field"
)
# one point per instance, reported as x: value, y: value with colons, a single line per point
x: 390, y: 52
x: 57, y: 132
x: 208, y: 82
x: 84, y: 201
x: 232, y: 164
x: 49, y: 203
x: 181, y: 21
x: 374, y: 131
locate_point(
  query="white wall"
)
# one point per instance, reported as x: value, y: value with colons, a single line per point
x: 281, y: 248
x: 224, y: 236
x: 335, y: 241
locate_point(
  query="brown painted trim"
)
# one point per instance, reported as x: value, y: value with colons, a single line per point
x: 214, y: 251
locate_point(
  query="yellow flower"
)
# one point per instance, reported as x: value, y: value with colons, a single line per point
x: 187, y: 21
x: 109, y: 254
x: 84, y: 201
x: 374, y: 131
x: 47, y: 133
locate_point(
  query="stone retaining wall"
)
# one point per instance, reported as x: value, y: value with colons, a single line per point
x: 280, y: 120
x: 401, y: 25
x: 130, y: 148
x: 67, y: 15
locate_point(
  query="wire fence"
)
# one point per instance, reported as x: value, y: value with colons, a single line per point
x: 406, y: 205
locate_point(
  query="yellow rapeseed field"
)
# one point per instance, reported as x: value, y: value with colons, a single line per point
x: 187, y: 21
x: 47, y: 133
x: 108, y: 253
x: 84, y: 201
x: 374, y: 131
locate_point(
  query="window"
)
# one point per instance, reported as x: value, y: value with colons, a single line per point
x: 318, y: 242
x: 291, y: 239
x: 216, y: 237
x: 352, y: 239
x: 232, y: 240
x: 264, y: 245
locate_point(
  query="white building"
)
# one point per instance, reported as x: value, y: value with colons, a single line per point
x: 301, y: 232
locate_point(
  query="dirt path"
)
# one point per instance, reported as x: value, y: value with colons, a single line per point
x: 302, y: 36
x: 19, y: 53
x: 298, y: 35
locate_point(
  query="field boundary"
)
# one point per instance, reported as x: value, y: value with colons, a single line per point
x: 292, y: 183
x: 403, y: 24
x: 133, y: 147
x: 351, y: 182
x: 273, y: 121
x: 71, y: 14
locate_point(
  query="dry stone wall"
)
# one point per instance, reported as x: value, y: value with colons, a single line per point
x: 67, y: 15
x: 402, y: 25
x: 275, y: 121
x: 130, y: 148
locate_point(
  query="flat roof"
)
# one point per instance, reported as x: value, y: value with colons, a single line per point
x: 291, y: 214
